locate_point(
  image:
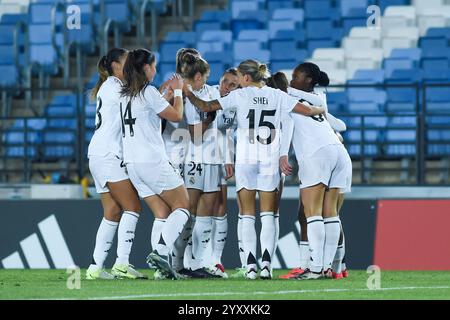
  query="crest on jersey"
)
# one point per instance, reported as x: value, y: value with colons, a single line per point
x: 192, y: 180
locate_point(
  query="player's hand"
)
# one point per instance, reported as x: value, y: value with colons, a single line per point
x: 229, y: 171
x: 187, y: 89
x: 285, y: 167
x: 177, y: 83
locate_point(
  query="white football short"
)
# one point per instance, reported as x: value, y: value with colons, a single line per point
x: 201, y: 176
x: 259, y: 176
x: 349, y: 170
x: 328, y: 165
x: 104, y: 169
x: 222, y: 175
x: 152, y: 179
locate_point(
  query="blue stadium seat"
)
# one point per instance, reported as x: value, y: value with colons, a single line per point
x: 433, y: 43
x: 391, y: 64
x: 57, y: 152
x: 62, y: 123
x: 369, y: 150
x: 13, y: 19
x: 282, y: 65
x: 405, y: 76
x: 188, y: 37
x: 238, y: 6
x: 348, y: 7
x: 219, y: 56
x: 297, y: 15
x: 201, y: 26
x: 261, y: 16
x: 253, y: 34
x: 439, y: 32
x: 211, y: 46
x: 403, y: 122
x: 322, y: 43
x: 222, y: 16
x: 273, y: 5
x: 217, y: 35
x: 243, y: 49
x: 400, y: 143
x: 438, y: 142
x: 286, y: 50
x: 119, y: 12
x: 19, y: 152
x: 363, y: 107
x: 169, y: 50
x: 366, y: 95
x: 319, y: 29
x: 276, y: 25
x: 217, y: 69
x: 438, y: 99
x: 401, y: 100
x: 433, y: 64
x: 59, y: 137
x: 319, y: 9
x: 432, y: 75
x: 368, y: 76
x: 336, y: 101
x: 413, y: 54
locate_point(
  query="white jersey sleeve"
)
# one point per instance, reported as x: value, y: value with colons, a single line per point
x: 158, y: 102
x: 287, y: 130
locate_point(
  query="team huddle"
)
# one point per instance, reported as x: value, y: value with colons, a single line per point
x: 175, y: 147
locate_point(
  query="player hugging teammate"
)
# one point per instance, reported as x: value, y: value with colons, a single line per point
x: 176, y: 147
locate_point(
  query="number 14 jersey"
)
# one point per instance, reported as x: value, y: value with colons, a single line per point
x: 141, y: 128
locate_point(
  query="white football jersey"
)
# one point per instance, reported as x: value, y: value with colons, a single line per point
x: 107, y: 136
x: 310, y: 133
x: 176, y: 139
x: 207, y: 150
x: 141, y: 127
x: 258, y: 114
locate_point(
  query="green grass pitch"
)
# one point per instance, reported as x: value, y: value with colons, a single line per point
x: 52, y: 284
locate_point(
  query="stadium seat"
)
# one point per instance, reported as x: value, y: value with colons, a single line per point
x: 224, y: 36
x: 257, y: 35
x: 296, y: 15
x: 368, y: 76
x: 277, y: 25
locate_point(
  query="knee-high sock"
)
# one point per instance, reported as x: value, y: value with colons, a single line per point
x: 249, y: 241
x: 125, y: 236
x: 240, y: 242
x: 304, y: 254
x: 277, y: 232
x: 340, y: 253
x: 180, y: 245
x: 316, y: 237
x: 332, y: 232
x: 267, y: 237
x: 103, y: 241
x: 201, y: 237
x: 171, y: 231
x: 157, y: 227
x: 220, y: 233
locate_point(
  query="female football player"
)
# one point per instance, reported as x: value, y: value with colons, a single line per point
x: 258, y: 112
x: 323, y: 163
x: 111, y: 179
x: 144, y: 153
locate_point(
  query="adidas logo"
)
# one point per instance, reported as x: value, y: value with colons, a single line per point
x: 41, y: 250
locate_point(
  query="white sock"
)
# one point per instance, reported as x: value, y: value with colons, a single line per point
x: 337, y: 262
x: 201, y: 236
x: 304, y: 255
x: 125, y: 236
x: 180, y: 245
x: 171, y: 231
x: 267, y: 238
x: 277, y: 232
x: 332, y: 233
x: 158, y: 225
x: 316, y: 237
x: 220, y: 232
x: 188, y: 258
x: 249, y: 241
x: 103, y: 241
x: 240, y: 242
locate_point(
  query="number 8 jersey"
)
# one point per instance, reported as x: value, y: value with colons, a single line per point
x: 310, y: 133
x: 141, y: 127
x: 107, y: 137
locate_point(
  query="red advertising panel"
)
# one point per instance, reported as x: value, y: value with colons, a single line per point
x: 413, y: 235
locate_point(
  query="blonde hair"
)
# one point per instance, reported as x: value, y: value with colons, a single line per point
x: 256, y: 70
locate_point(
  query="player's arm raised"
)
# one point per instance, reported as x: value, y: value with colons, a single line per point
x: 206, y: 106
x: 307, y: 110
x: 175, y: 112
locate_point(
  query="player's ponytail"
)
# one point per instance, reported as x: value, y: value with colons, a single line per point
x: 313, y: 71
x: 180, y: 56
x: 135, y: 79
x: 323, y: 79
x: 104, y: 67
x: 256, y: 70
x: 278, y: 81
x: 193, y: 64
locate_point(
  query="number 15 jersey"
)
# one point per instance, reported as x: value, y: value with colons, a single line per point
x: 258, y: 116
x: 141, y: 128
